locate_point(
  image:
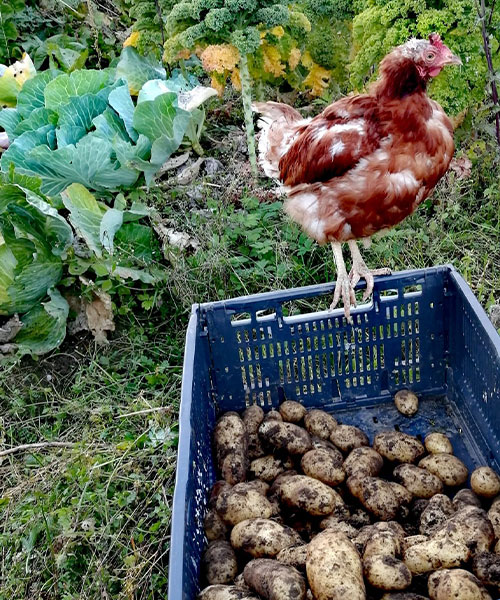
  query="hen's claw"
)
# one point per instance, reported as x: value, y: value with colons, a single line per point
x: 344, y: 290
x: 359, y: 270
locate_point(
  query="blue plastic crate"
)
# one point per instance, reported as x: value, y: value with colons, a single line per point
x: 424, y: 330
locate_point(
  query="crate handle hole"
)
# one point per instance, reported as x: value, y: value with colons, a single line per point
x: 243, y: 316
x: 412, y: 290
x: 388, y: 294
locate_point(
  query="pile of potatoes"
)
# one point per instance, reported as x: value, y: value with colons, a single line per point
x: 306, y: 509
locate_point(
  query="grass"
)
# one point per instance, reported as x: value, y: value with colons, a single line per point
x: 92, y: 521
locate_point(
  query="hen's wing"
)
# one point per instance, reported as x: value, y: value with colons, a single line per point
x: 333, y: 142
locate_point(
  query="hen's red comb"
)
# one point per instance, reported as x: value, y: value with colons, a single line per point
x: 435, y: 40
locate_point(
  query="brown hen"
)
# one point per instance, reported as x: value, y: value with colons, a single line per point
x: 367, y: 161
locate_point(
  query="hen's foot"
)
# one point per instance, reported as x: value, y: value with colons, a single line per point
x: 359, y: 270
x: 343, y: 286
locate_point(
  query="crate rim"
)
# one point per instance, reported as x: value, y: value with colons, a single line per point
x: 176, y: 560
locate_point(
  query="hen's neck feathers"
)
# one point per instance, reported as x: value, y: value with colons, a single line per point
x: 399, y: 77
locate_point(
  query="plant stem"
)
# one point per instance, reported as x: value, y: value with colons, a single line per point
x: 246, y: 92
x: 491, y: 70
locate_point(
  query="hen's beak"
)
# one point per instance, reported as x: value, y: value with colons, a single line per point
x: 452, y: 60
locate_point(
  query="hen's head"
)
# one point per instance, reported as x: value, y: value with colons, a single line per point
x: 429, y: 56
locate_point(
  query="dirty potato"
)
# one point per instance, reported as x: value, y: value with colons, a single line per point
x: 450, y: 469
x: 403, y: 596
x: 263, y: 537
x: 231, y: 447
x: 419, y: 482
x: 465, y: 497
x: 486, y: 567
x: 469, y: 526
x: 324, y: 465
x: 286, y: 436
x: 294, y: 556
x: 219, y: 564
x: 241, y: 502
x: 435, y: 554
x: 386, y: 572
x: 348, y: 437
x: 334, y: 568
x: 273, y: 580
x: 308, y: 494
x: 225, y: 592
x: 406, y: 402
x: 215, y: 528
x: 398, y: 447
x: 375, y: 495
x: 485, y: 482
x: 436, y: 513
x: 453, y: 584
x: 252, y: 418
x: 319, y: 423
x: 269, y: 467
x: 363, y: 460
x: 292, y: 412
x: 437, y: 443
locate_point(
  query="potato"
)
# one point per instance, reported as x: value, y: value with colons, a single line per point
x: 268, y: 467
x: 348, y: 437
x: 286, y: 436
x: 386, y: 572
x: 263, y: 537
x: 406, y: 402
x: 392, y: 527
x: 242, y: 502
x: 215, y: 528
x: 485, y: 482
x: 252, y: 417
x: 471, y: 527
x: 231, y: 447
x: 437, y: 443
x: 383, y: 543
x: 334, y: 569
x: 398, y: 447
x: 486, y: 567
x: 218, y: 487
x: 465, y: 497
x: 494, y: 517
x: 294, y: 556
x: 291, y: 411
x: 435, y: 554
x: 412, y: 540
x: 455, y: 584
x: 437, y: 512
x: 323, y: 465
x: 359, y: 518
x: 450, y: 469
x: 339, y: 526
x: 318, y: 442
x: 363, y: 460
x: 273, y: 580
x: 311, y: 495
x: 272, y: 415
x: 219, y: 564
x: 403, y: 494
x: 375, y: 495
x: 225, y: 592
x: 320, y: 423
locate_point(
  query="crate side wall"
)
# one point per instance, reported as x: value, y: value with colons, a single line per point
x: 195, y: 467
x: 474, y: 366
x: 321, y: 360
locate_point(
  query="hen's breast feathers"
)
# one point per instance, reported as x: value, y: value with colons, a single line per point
x: 358, y: 167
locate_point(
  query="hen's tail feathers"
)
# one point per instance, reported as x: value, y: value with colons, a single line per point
x: 278, y: 125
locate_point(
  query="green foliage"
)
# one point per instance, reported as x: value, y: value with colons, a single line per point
x: 84, y: 127
x: 378, y: 26
x: 8, y: 30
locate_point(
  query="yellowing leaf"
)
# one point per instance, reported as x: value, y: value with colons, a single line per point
x: 236, y: 79
x: 317, y: 80
x: 218, y: 85
x: 294, y: 58
x: 9, y: 89
x: 184, y: 54
x: 132, y: 40
x: 272, y: 60
x: 307, y: 60
x: 220, y: 58
x: 277, y: 31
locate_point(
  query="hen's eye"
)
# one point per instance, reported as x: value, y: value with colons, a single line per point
x: 429, y: 56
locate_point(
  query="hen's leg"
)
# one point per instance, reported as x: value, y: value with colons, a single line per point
x: 343, y: 287
x: 359, y: 269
